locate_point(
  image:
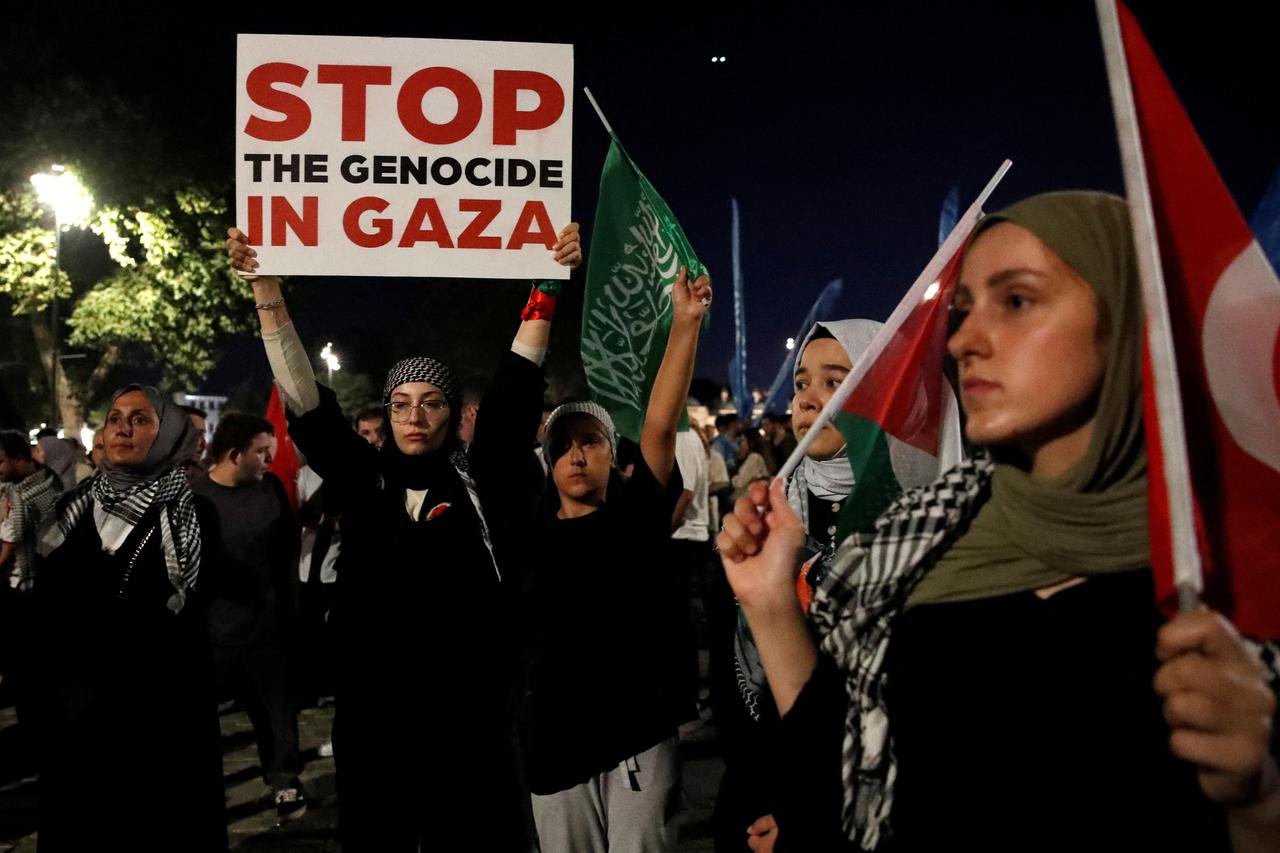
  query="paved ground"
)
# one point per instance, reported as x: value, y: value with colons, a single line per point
x: 251, y: 816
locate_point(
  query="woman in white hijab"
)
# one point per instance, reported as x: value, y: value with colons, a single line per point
x: 819, y: 492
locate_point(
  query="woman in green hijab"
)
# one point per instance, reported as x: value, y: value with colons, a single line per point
x: 997, y: 637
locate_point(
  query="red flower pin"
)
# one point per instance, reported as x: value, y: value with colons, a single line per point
x: 436, y: 511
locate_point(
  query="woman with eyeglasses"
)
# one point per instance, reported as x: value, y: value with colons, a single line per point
x: 421, y: 737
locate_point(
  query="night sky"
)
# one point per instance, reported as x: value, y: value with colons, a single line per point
x: 838, y: 133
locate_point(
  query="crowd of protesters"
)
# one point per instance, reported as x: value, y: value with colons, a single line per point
x: 499, y: 593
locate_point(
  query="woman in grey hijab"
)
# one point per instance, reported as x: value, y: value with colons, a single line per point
x: 126, y: 679
x: 59, y: 458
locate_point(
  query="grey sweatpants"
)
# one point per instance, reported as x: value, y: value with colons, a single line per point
x: 607, y: 813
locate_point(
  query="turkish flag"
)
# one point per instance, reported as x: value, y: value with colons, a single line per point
x: 285, y: 463
x: 1224, y: 301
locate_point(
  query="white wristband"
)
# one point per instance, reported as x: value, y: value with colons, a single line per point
x: 534, y: 354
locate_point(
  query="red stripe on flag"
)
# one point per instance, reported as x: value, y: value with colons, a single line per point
x: 903, y: 389
x: 285, y: 464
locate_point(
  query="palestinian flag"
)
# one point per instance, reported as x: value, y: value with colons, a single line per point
x: 900, y: 423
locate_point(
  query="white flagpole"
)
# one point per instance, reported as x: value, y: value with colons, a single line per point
x: 963, y: 228
x: 599, y: 112
x: 1164, y: 365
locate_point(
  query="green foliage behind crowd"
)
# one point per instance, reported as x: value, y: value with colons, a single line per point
x: 159, y: 292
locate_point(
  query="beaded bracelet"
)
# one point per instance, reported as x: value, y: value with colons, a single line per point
x: 268, y: 306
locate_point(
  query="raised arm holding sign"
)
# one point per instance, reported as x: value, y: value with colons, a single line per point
x: 424, y: 535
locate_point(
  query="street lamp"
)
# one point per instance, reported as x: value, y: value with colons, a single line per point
x: 62, y: 191
x: 330, y: 358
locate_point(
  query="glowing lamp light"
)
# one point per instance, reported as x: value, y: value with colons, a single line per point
x: 330, y: 357
x: 791, y: 343
x: 62, y: 191
x: 86, y: 436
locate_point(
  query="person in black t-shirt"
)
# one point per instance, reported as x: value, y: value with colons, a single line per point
x: 603, y: 680
x: 250, y: 614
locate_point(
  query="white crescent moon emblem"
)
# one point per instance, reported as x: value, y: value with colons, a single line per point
x: 1241, y: 325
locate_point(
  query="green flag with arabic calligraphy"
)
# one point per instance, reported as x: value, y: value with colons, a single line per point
x: 637, y: 249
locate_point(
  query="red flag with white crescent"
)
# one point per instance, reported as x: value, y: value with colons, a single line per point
x: 1224, y: 302
x: 285, y: 463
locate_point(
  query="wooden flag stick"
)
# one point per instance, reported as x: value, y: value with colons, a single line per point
x: 917, y: 294
x: 1164, y: 366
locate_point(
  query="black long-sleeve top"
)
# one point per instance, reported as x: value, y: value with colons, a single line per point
x: 1017, y: 723
x: 598, y: 597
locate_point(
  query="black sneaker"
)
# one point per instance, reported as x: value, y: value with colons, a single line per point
x: 290, y: 804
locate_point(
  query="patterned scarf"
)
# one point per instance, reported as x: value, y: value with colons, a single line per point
x: 853, y: 609
x: 122, y: 495
x: 33, y: 502
x: 415, y: 472
x: 423, y: 369
x: 123, y: 509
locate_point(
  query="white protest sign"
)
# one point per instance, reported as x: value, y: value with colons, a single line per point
x: 404, y: 157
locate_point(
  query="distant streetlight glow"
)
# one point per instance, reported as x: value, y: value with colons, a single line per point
x: 86, y: 437
x: 791, y: 343
x: 330, y: 358
x: 71, y: 203
x: 715, y: 59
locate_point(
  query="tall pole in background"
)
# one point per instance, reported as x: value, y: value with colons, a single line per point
x: 55, y: 416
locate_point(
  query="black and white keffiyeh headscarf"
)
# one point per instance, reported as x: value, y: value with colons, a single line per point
x: 120, y: 496
x: 422, y: 368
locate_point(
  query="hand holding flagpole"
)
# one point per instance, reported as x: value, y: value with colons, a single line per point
x: 1164, y: 366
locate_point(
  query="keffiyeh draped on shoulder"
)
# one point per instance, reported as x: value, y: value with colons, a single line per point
x: 120, y: 496
x: 853, y: 609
